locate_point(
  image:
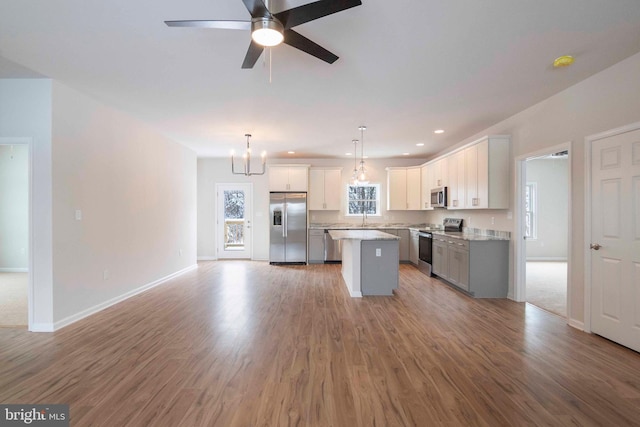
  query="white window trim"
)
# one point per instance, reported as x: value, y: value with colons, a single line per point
x: 534, y: 210
x: 378, y: 201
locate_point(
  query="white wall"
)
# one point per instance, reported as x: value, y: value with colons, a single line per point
x: 213, y: 171
x: 552, y: 182
x: 604, y: 101
x: 25, y: 111
x: 137, y: 193
x: 14, y: 207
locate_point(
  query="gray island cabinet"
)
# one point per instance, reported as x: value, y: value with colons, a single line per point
x: 479, y: 265
x: 369, y: 261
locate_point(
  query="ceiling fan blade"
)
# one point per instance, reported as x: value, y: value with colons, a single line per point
x: 253, y: 53
x: 308, y: 12
x: 304, y: 44
x: 256, y: 8
x: 226, y: 25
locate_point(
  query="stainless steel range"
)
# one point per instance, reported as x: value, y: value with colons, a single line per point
x: 425, y: 243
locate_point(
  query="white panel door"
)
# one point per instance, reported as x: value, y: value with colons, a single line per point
x: 615, y: 233
x: 234, y: 220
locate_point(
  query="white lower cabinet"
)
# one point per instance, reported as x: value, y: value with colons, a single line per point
x: 479, y: 267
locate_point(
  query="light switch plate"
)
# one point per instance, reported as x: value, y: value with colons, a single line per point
x: 78, y: 215
x: 378, y: 251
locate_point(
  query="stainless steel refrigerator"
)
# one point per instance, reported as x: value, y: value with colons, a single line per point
x: 288, y: 228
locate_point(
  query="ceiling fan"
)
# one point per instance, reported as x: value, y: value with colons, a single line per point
x: 271, y: 29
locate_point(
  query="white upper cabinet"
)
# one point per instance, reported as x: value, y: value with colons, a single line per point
x: 439, y: 170
x: 403, y: 188
x: 325, y: 189
x: 396, y: 189
x: 425, y: 179
x: 413, y: 189
x: 289, y: 178
x: 456, y: 181
x: 486, y: 166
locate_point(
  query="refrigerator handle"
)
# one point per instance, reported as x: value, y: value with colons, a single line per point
x: 285, y: 223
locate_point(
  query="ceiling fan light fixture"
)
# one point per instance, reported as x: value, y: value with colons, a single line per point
x: 267, y: 32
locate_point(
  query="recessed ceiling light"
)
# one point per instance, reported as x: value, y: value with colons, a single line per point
x: 405, y: 154
x: 420, y: 144
x: 563, y: 61
x: 291, y: 152
x: 438, y: 131
x: 348, y: 154
x: 366, y: 157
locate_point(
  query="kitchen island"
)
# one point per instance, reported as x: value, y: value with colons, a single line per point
x: 369, y: 261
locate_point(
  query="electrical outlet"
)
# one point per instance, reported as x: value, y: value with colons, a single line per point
x: 378, y: 251
x: 78, y: 215
x: 493, y: 220
x: 180, y: 252
x: 105, y: 274
x: 468, y: 221
x: 509, y: 215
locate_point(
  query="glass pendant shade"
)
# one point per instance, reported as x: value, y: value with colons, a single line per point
x: 362, y: 172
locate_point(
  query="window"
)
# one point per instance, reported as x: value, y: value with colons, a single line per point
x: 233, y: 220
x: 530, y: 211
x: 363, y: 198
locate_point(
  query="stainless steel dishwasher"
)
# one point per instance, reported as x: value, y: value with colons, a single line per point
x: 332, y: 249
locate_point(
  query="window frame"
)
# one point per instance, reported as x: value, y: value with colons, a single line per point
x: 377, y: 201
x: 532, y: 212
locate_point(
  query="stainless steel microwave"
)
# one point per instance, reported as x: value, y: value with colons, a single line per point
x: 439, y: 197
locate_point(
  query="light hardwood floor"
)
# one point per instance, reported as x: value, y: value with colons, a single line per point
x: 248, y: 344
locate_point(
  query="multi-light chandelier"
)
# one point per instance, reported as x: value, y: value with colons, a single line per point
x: 247, y: 161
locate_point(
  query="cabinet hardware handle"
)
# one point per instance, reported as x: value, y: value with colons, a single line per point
x: 595, y: 246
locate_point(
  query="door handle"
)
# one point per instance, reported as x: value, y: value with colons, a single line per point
x: 595, y: 246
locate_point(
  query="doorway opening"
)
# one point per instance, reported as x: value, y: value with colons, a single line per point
x: 14, y: 232
x: 543, y: 232
x: 233, y: 220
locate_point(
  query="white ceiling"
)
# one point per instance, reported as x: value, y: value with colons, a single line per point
x: 406, y: 67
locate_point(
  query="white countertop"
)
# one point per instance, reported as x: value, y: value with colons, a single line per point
x: 361, y: 235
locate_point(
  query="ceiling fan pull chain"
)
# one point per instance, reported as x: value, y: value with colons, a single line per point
x: 269, y: 65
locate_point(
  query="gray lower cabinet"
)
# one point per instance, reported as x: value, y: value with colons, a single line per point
x: 414, y: 247
x: 403, y: 243
x: 479, y: 267
x: 316, y: 246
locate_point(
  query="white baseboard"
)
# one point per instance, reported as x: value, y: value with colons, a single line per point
x: 207, y: 258
x: 99, y: 307
x: 14, y: 270
x: 546, y: 259
x: 41, y: 327
x: 576, y: 324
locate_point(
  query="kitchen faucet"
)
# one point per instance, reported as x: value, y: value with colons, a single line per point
x: 364, y: 216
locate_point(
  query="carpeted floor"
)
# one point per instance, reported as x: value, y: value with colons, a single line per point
x: 13, y: 299
x: 547, y: 286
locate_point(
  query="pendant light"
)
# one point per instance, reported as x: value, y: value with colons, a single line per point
x: 354, y: 175
x: 362, y: 173
x: 247, y: 161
